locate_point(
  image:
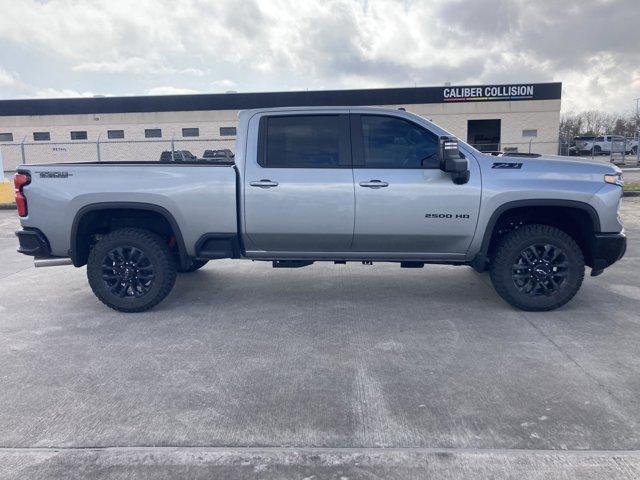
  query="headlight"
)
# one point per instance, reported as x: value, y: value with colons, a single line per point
x: 614, y: 179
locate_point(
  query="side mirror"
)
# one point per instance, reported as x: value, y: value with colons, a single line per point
x: 451, y: 161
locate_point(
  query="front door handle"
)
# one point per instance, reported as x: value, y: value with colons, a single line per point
x: 264, y: 183
x: 374, y: 184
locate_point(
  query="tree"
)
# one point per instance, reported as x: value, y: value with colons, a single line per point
x: 595, y: 122
x: 570, y: 126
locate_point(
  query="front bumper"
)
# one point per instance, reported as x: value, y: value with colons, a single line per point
x: 33, y: 242
x: 606, y: 249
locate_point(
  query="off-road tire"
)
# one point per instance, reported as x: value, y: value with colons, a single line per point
x: 193, y: 266
x: 509, y: 250
x: 154, y: 248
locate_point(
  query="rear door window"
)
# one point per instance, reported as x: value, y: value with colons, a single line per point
x: 304, y: 141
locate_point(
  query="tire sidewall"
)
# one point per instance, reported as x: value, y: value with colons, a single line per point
x: 153, y: 251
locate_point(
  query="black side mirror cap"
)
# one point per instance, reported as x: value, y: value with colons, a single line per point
x: 451, y: 161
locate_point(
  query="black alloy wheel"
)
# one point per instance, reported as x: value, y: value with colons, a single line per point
x: 540, y: 269
x: 127, y: 272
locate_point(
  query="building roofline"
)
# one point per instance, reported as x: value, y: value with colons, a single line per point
x: 245, y: 101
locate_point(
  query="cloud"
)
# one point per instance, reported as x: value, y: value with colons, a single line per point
x: 135, y: 65
x: 63, y: 93
x: 223, y: 85
x: 192, y: 45
x: 10, y: 80
x: 169, y: 90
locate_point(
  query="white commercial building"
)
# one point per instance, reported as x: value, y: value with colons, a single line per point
x: 517, y: 117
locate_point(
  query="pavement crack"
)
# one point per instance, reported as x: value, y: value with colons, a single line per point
x: 16, y: 272
x: 594, y: 379
x: 321, y: 450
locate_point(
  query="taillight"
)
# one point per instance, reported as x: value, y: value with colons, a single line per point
x: 19, y: 181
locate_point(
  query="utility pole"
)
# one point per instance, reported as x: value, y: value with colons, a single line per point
x: 637, y: 131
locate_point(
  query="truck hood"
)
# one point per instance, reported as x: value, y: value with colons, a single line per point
x: 556, y: 163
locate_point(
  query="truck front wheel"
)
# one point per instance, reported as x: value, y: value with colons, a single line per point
x: 537, y: 268
x: 131, y: 270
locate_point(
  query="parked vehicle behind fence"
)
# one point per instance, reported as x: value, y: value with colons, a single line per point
x: 178, y: 156
x: 224, y: 156
x: 604, y: 145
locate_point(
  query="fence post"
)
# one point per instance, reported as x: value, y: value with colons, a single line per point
x: 172, y: 147
x: 24, y: 157
x: 638, y: 148
x: 98, y: 148
x: 611, y: 147
x: 1, y: 166
x: 530, y: 144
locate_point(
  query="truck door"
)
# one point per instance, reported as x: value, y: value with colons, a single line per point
x: 404, y: 202
x: 299, y: 194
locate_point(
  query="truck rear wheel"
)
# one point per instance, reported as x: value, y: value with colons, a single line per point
x: 131, y: 270
x: 537, y: 268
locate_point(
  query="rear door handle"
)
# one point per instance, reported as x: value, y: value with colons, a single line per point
x: 374, y: 184
x: 264, y: 183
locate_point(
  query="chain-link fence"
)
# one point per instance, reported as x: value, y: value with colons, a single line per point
x: 616, y: 149
x: 612, y: 148
x: 496, y: 147
x: 15, y: 154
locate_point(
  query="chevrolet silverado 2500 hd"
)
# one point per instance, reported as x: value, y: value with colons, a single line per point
x: 327, y: 184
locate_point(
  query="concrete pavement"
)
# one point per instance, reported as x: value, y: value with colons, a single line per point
x: 335, y: 371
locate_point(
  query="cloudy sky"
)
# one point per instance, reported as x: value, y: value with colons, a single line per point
x: 65, y: 48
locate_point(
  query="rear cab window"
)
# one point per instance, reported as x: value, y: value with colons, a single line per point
x: 304, y: 141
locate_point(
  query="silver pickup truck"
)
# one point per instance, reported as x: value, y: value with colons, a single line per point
x: 327, y: 184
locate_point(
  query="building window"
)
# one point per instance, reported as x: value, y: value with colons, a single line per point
x: 114, y: 134
x: 41, y: 136
x: 80, y: 135
x: 152, y: 133
x: 227, y: 131
x: 530, y: 133
x: 190, y: 132
x: 6, y: 137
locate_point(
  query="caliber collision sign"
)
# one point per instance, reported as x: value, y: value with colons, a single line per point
x: 488, y: 93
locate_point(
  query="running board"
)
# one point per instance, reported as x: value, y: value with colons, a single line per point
x: 291, y: 263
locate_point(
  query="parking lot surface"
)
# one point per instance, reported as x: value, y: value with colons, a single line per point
x: 337, y: 371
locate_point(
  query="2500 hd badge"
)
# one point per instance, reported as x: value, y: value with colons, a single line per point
x: 446, y: 215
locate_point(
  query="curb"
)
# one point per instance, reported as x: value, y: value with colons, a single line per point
x: 6, y: 193
x: 7, y: 206
x: 631, y: 194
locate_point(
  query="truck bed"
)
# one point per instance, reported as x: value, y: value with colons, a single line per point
x: 200, y: 197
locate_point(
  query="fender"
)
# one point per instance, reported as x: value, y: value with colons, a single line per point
x: 480, y: 260
x: 182, y: 251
